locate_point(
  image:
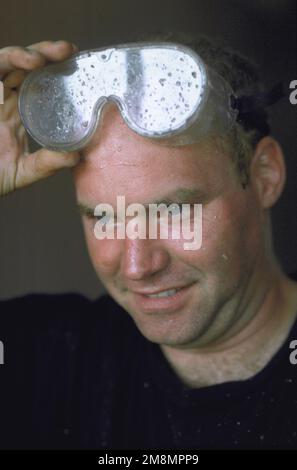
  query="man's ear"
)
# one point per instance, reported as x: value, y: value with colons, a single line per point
x: 268, y: 171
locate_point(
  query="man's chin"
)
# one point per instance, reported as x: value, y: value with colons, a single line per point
x: 176, y: 328
x: 163, y: 330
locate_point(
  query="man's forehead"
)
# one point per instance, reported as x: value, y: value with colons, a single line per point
x: 120, y: 160
x: 112, y: 135
x: 146, y: 180
x: 114, y: 143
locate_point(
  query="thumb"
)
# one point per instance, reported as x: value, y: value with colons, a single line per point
x: 41, y: 164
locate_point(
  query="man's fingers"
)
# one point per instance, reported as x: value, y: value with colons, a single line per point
x: 54, y: 50
x: 12, y: 58
x: 41, y: 164
x: 15, y: 78
x: 18, y: 168
x: 34, y: 56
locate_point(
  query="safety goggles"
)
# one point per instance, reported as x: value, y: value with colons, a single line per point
x: 164, y: 91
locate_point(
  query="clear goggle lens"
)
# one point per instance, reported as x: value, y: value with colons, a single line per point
x: 162, y: 91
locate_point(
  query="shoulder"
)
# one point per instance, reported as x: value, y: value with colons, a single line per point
x: 35, y: 311
x: 56, y: 315
x: 56, y: 349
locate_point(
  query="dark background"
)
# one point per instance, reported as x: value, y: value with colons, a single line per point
x: 41, y: 239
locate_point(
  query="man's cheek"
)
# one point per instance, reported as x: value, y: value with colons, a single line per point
x: 220, y: 244
x: 105, y: 254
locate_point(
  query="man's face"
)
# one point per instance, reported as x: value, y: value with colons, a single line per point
x: 210, y: 281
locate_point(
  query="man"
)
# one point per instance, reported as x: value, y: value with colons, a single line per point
x: 191, y: 348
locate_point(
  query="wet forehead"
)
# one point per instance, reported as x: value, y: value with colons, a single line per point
x: 119, y: 161
x: 114, y: 143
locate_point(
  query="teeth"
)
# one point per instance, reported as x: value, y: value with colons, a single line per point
x: 165, y: 293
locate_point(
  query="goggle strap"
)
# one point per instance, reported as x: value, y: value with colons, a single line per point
x: 247, y: 104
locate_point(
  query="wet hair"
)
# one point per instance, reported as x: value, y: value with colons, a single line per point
x: 243, y: 77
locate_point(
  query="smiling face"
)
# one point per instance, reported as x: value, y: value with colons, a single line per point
x: 211, y: 281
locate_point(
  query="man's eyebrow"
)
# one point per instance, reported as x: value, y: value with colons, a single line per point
x: 84, y: 209
x: 179, y: 196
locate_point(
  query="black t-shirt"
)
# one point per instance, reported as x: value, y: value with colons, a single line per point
x: 79, y: 374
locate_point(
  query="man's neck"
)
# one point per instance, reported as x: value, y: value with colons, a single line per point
x: 250, y: 346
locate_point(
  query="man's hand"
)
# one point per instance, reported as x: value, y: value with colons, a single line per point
x: 18, y: 167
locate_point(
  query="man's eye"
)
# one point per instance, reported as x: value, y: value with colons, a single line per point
x: 103, y: 218
x: 179, y: 208
x: 171, y: 209
x: 176, y: 209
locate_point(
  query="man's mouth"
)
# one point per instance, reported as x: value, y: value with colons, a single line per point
x: 164, y: 293
x: 165, y: 300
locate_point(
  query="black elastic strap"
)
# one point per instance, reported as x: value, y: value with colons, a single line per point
x: 247, y: 104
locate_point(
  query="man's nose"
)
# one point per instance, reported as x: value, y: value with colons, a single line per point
x: 143, y: 258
